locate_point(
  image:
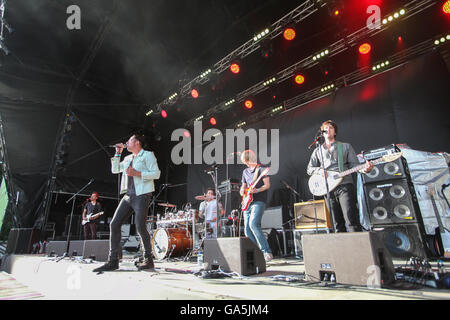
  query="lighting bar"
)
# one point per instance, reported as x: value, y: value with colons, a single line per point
x: 173, y: 96
x: 229, y: 102
x: 266, y: 83
x: 442, y: 39
x: 277, y: 109
x: 261, y: 35
x: 199, y: 118
x: 204, y: 74
x: 240, y: 124
x: 321, y: 54
x: 149, y: 112
x: 381, y: 65
x: 394, y: 16
x: 327, y: 88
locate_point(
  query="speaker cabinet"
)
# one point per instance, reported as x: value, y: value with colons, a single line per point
x: 59, y: 247
x: 272, y: 218
x: 357, y: 258
x: 21, y: 240
x: 397, y: 169
x: 239, y: 255
x: 392, y: 201
x: 404, y: 240
x: 98, y: 249
x: 311, y: 214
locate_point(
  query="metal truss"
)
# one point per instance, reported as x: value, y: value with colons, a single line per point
x: 300, y: 13
x: 412, y: 8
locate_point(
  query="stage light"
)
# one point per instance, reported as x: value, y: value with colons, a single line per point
x: 266, y: 83
x: 194, y: 93
x: 235, y: 68
x: 299, y: 79
x: 364, y: 48
x: 229, y: 102
x: 327, y: 88
x: 164, y: 113
x: 320, y: 55
x: 446, y: 7
x: 248, y: 104
x: 173, y: 96
x: 336, y: 12
x: 199, y: 118
x: 380, y: 65
x: 289, y: 34
x: 261, y: 35
x: 276, y: 110
x: 204, y: 74
x: 240, y: 124
x: 186, y: 134
x: 213, y: 121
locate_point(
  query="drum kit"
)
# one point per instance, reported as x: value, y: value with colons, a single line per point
x: 180, y: 232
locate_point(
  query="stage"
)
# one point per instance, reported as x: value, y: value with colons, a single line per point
x: 73, y: 279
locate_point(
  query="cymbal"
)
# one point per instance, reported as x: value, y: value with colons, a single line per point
x: 204, y: 197
x: 167, y: 205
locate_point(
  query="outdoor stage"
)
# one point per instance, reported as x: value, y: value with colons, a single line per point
x: 73, y: 279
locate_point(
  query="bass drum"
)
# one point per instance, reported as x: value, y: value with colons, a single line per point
x: 171, y: 242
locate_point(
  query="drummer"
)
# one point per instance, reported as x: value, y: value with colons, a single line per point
x: 208, y: 208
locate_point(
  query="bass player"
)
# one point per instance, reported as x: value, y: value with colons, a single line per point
x: 343, y: 197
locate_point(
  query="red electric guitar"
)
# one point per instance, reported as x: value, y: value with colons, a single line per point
x: 247, y: 196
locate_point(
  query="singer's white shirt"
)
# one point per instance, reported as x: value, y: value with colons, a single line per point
x: 144, y: 162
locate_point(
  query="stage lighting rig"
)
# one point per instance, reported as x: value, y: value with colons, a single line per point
x: 149, y: 112
x: 240, y: 124
x: 442, y: 40
x: 4, y: 25
x: 270, y: 81
x: 229, y: 102
x: 261, y: 35
x: 394, y: 16
x: 320, y: 55
x: 381, y: 66
x: 199, y: 118
x: 327, y: 88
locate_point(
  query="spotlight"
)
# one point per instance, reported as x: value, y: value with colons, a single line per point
x: 235, y: 68
x: 240, y: 124
x: 299, y: 79
x: 149, y: 112
x: 164, y: 113
x: 446, y: 7
x: 289, y: 34
x: 336, y: 12
x: 213, y: 121
x: 364, y: 48
x: 199, y: 118
x: 187, y: 134
x: 194, y: 93
x: 248, y: 104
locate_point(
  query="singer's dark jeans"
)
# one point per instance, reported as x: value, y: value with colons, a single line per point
x: 343, y: 202
x: 128, y: 204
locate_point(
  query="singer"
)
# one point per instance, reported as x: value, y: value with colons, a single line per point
x: 139, y: 170
x: 338, y: 156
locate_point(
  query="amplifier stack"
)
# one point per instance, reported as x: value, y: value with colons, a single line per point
x: 392, y: 206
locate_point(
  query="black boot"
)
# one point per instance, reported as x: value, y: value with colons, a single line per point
x: 146, y: 263
x: 111, y: 265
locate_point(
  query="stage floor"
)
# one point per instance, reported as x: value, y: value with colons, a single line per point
x: 175, y: 280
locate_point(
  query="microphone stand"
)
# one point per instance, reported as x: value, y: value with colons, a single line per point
x: 66, y: 254
x: 328, y: 196
x: 295, y: 200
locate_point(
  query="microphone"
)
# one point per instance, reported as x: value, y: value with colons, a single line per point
x: 322, y: 131
x: 117, y: 145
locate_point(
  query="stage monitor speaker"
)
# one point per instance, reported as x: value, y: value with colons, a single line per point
x: 404, y: 240
x: 392, y: 201
x: 356, y: 258
x: 397, y: 169
x: 59, y: 247
x: 21, y: 240
x: 297, y: 237
x: 97, y: 249
x: 312, y: 214
x: 239, y: 255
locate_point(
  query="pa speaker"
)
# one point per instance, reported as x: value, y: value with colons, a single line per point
x: 397, y: 169
x: 404, y: 240
x: 357, y: 258
x: 239, y: 255
x: 311, y: 214
x: 97, y: 249
x: 21, y: 240
x: 392, y: 201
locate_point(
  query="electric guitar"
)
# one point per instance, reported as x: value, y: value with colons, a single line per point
x: 247, y: 196
x: 441, y: 234
x: 317, y: 185
x: 91, y: 216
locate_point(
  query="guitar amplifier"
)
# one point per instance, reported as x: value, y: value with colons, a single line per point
x: 378, y: 153
x: 312, y: 214
x: 230, y: 185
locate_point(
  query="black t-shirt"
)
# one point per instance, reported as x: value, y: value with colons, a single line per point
x: 247, y: 177
x: 90, y: 208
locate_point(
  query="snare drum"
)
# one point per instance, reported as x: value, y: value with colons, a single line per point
x: 171, y: 241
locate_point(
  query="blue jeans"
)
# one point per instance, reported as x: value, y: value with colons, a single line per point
x: 252, y: 223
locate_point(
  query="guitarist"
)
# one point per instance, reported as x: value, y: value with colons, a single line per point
x: 255, y: 211
x: 343, y: 198
x: 91, y: 207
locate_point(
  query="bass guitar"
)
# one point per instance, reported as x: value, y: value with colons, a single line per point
x: 317, y: 185
x: 247, y: 196
x: 91, y: 216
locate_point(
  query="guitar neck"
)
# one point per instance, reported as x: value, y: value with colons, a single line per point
x: 357, y: 168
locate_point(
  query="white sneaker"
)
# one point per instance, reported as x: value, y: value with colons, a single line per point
x: 268, y: 257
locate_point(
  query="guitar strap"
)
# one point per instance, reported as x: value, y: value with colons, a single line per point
x: 340, y: 156
x: 255, y: 174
